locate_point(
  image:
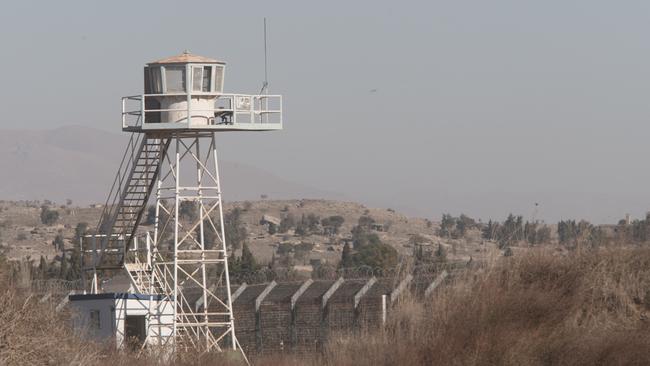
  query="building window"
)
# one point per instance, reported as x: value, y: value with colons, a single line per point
x: 94, y: 319
x: 175, y: 79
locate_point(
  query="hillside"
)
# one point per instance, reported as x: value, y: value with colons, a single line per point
x: 23, y: 235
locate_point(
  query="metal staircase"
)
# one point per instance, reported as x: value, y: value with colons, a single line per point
x: 127, y: 201
x: 141, y: 276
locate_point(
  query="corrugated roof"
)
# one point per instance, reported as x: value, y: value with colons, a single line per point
x: 186, y: 57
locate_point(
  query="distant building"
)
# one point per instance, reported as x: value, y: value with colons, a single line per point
x: 268, y: 219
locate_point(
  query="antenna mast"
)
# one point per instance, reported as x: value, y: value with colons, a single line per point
x: 265, y: 85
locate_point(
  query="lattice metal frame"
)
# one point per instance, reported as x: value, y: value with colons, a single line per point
x: 186, y: 267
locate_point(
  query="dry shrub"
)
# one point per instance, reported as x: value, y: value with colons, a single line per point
x: 587, y: 308
x: 32, y: 333
x: 539, y: 308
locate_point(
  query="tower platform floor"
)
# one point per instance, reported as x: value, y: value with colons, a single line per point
x: 184, y: 127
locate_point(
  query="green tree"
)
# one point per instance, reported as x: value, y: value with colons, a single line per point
x: 234, y: 228
x: 43, y: 268
x: 79, y: 231
x: 64, y: 271
x: 247, y: 259
x: 447, y: 225
x: 308, y: 224
x: 302, y: 250
x: 566, y: 231
x: 48, y: 217
x: 376, y: 256
x: 510, y: 231
x: 333, y: 223
x: 58, y: 242
x: 301, y: 229
x: 287, y: 222
x: 463, y: 224
x: 346, y: 257
x: 597, y: 237
x: 572, y: 234
x: 543, y: 235
x: 362, y: 238
x: 284, y: 248
x: 365, y: 222
x: 530, y: 232
x: 189, y: 210
x: 209, y: 235
x: 490, y: 231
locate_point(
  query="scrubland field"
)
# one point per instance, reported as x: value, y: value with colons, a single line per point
x: 541, y: 307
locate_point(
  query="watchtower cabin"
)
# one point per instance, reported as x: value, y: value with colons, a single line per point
x: 185, y: 92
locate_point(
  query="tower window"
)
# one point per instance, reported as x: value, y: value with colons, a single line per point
x: 197, y: 73
x: 152, y: 80
x: 156, y: 82
x: 175, y: 79
x: 218, y: 79
x: 207, y: 77
x: 201, y: 78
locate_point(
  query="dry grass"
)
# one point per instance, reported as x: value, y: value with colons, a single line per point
x: 537, y: 309
x: 32, y: 334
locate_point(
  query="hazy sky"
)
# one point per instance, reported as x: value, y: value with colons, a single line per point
x: 482, y: 107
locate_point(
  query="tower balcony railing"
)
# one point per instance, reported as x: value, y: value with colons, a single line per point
x: 237, y: 112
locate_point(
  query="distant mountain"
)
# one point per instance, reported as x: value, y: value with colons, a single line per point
x: 80, y: 163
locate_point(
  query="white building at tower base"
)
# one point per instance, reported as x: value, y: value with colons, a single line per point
x: 132, y: 320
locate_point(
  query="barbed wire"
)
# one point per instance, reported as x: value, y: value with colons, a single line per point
x: 265, y: 275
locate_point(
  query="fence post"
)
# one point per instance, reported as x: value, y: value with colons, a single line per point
x: 383, y: 310
x: 441, y: 277
x: 258, y: 320
x: 394, y: 295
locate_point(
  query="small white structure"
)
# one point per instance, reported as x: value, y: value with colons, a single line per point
x: 132, y: 320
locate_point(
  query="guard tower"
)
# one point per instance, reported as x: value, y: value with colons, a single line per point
x: 172, y: 156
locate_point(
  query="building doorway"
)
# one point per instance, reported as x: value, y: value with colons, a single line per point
x: 135, y: 331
